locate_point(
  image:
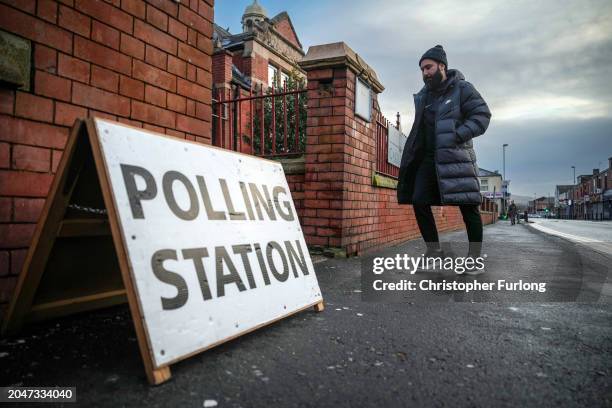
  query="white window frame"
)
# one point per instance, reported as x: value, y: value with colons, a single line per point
x: 284, y: 78
x: 272, y: 78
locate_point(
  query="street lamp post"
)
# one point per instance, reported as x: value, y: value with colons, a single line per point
x: 573, y: 191
x: 504, y: 190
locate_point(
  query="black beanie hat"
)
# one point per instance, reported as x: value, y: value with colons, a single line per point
x: 437, y: 54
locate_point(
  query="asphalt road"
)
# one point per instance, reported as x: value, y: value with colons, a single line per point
x: 495, y: 352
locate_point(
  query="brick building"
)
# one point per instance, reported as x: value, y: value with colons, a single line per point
x: 563, y: 200
x: 591, y: 197
x: 267, y: 48
x: 264, y: 55
x: 542, y: 205
x: 491, y: 185
x: 143, y: 63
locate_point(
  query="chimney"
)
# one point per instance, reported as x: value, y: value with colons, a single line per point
x: 595, y: 172
x: 222, y: 68
x: 610, y: 162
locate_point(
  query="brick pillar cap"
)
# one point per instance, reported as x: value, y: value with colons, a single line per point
x: 218, y: 51
x: 337, y: 55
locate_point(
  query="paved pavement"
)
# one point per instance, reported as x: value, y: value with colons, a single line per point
x: 355, y: 353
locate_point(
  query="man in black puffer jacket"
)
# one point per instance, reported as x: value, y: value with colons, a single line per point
x: 438, y: 164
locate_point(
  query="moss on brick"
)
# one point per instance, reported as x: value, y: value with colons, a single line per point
x: 378, y: 180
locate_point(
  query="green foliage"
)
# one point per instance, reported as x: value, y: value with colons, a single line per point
x: 294, y: 82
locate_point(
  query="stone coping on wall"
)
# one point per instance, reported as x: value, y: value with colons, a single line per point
x: 337, y: 55
x: 292, y: 165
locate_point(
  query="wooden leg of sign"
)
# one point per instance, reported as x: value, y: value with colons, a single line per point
x: 159, y: 375
x: 319, y: 307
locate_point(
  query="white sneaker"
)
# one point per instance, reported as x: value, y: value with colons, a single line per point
x: 473, y: 271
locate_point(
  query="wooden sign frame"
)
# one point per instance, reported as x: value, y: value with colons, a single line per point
x: 42, y: 291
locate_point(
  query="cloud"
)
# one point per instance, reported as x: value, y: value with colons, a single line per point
x: 541, y: 152
x: 543, y: 67
x: 514, y: 52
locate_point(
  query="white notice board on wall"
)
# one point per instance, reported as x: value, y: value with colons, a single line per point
x: 395, y: 145
x: 363, y: 100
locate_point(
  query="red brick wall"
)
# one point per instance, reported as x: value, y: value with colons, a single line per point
x: 284, y: 28
x: 254, y: 66
x: 341, y: 207
x: 296, y: 185
x: 222, y: 68
x: 145, y: 63
x: 244, y: 124
x: 241, y: 63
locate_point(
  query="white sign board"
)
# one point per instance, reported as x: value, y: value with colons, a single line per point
x: 212, y: 236
x: 395, y: 146
x: 490, y: 194
x: 363, y: 100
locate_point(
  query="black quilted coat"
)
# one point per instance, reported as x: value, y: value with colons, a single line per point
x: 462, y: 115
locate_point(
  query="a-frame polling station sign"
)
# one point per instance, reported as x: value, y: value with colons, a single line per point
x: 207, y: 242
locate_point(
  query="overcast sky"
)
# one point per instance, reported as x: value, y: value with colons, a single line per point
x: 544, y: 68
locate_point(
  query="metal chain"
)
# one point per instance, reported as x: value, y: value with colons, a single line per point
x: 91, y: 210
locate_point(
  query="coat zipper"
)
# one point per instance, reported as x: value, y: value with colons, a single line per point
x: 436, y: 153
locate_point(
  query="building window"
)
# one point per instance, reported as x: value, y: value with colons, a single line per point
x: 272, y: 73
x: 284, y: 79
x: 484, y: 185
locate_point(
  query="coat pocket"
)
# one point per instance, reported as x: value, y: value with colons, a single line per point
x: 445, y: 134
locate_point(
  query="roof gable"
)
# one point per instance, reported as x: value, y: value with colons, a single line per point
x: 283, y: 25
x: 487, y: 173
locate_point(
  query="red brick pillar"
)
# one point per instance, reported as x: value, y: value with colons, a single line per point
x: 222, y: 68
x: 340, y: 154
x: 222, y: 90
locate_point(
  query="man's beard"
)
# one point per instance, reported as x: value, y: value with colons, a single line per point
x: 434, y: 81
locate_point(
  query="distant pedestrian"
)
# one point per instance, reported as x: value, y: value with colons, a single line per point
x: 512, y: 212
x: 526, y: 217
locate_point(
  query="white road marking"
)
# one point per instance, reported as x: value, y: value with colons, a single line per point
x: 602, y: 247
x: 565, y: 235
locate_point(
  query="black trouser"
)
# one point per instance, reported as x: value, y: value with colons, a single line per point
x: 426, y: 194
